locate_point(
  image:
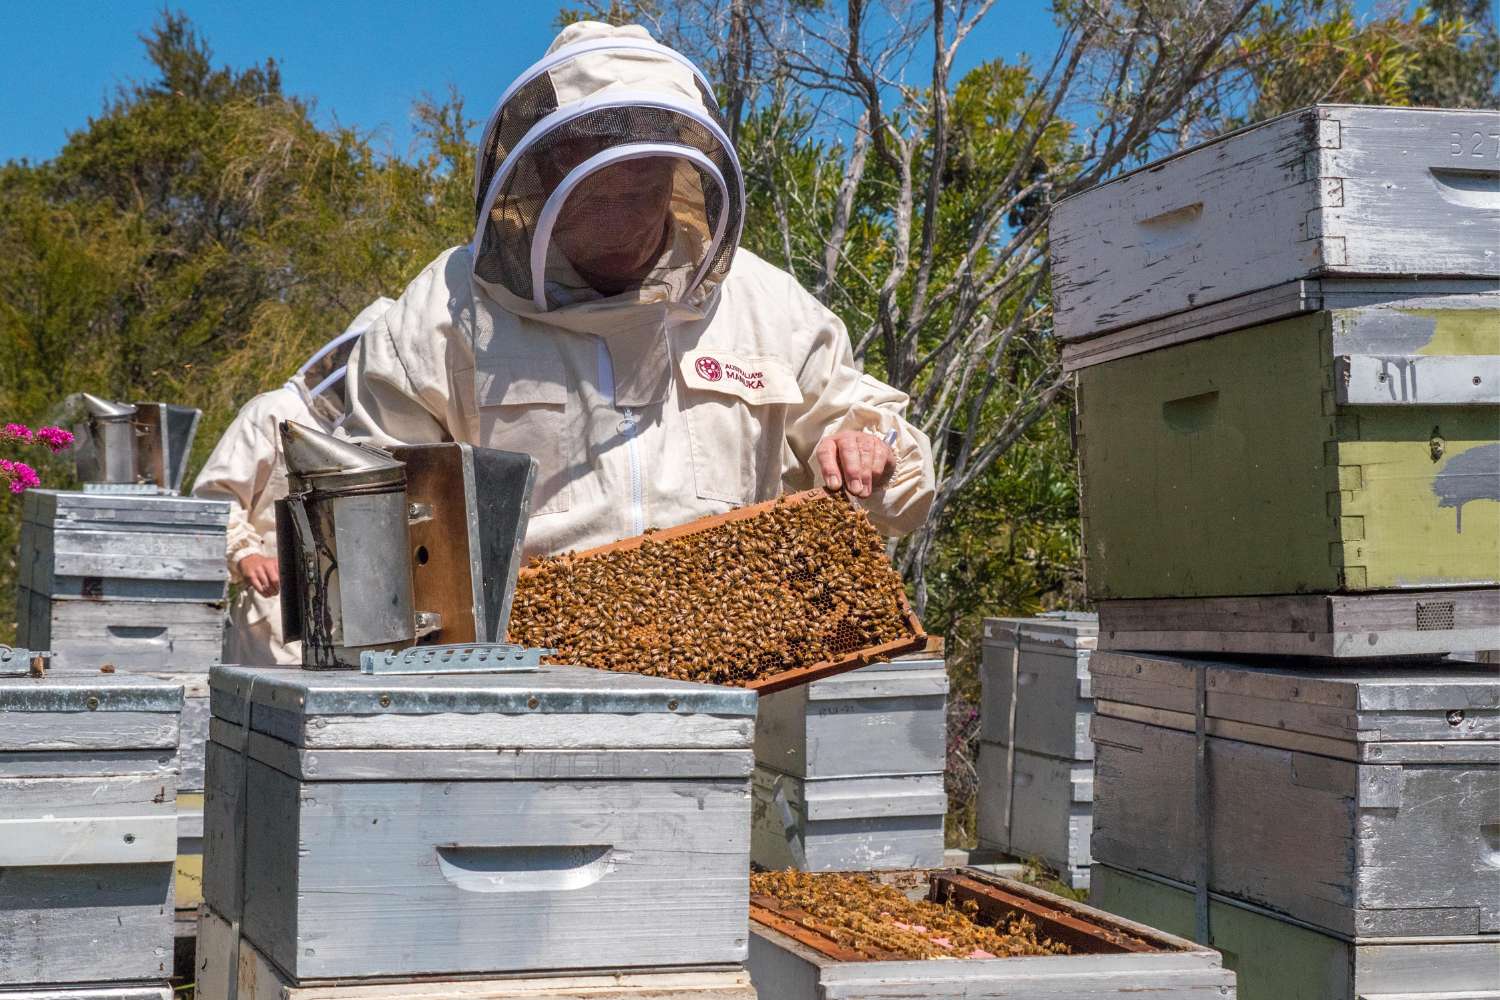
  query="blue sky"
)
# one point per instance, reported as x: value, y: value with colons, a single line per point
x: 363, y: 63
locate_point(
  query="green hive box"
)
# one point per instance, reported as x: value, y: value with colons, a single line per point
x: 1276, y: 959
x: 1345, y: 450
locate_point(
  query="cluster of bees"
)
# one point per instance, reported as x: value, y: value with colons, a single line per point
x: 792, y: 585
x: 879, y: 920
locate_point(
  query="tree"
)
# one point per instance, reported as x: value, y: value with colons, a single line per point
x: 202, y: 236
x: 916, y: 204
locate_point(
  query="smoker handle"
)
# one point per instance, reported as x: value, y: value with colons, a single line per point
x: 525, y: 868
x: 50, y: 842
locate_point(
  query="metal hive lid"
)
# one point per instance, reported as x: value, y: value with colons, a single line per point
x: 88, y: 693
x: 1068, y: 629
x: 316, y: 458
x: 105, y: 409
x: 549, y: 690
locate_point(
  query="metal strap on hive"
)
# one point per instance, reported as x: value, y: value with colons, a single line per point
x: 484, y: 658
x: 17, y: 662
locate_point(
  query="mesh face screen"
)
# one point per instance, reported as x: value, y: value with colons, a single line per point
x: 504, y: 255
x: 529, y: 105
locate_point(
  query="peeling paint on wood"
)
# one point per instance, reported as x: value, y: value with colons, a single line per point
x: 1329, y: 190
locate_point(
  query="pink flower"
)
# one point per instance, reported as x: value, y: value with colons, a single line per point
x: 21, y: 476
x: 55, y: 438
x: 16, y: 432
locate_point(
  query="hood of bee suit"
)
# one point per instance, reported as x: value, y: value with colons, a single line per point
x: 320, y: 380
x: 601, y: 96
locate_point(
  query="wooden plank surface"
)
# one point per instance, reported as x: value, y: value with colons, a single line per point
x: 258, y: 979
x: 847, y: 824
x: 494, y: 876
x: 868, y: 722
x: 1323, y: 191
x: 1343, y: 846
x: 1327, y: 625
x: 1051, y: 809
x: 1278, y: 960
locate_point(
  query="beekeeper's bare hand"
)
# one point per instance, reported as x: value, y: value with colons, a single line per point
x: 854, y: 460
x: 262, y: 574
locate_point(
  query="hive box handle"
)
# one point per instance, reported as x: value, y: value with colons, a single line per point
x: 525, y: 868
x: 1468, y: 187
x: 139, y: 633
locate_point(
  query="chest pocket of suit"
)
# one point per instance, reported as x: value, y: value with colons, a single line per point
x: 736, y: 418
x: 523, y: 406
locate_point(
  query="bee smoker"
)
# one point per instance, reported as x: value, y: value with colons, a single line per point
x: 133, y: 447
x: 345, y: 550
x: 382, y: 551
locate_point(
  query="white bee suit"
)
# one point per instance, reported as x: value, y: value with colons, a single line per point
x: 706, y: 387
x: 247, y: 469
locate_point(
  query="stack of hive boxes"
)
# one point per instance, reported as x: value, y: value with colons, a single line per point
x: 554, y: 832
x: 1287, y: 347
x: 849, y: 770
x: 88, y: 770
x: 1036, y: 760
x: 125, y: 582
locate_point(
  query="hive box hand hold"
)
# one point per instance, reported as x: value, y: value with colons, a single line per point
x: 1327, y: 191
x: 474, y: 824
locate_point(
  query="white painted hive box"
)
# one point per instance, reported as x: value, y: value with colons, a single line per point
x: 887, y: 718
x: 134, y: 580
x: 848, y: 824
x: 1361, y: 802
x: 1329, y: 191
x: 561, y: 819
x: 88, y: 778
x: 1036, y: 670
x: 1114, y: 959
x: 1031, y: 805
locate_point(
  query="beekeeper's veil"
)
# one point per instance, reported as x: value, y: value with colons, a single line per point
x: 603, y: 96
x: 320, y: 382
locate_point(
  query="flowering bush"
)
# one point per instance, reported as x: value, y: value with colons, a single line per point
x: 19, y: 476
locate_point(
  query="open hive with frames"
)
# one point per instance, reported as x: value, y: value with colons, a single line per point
x: 764, y: 597
x: 874, y: 918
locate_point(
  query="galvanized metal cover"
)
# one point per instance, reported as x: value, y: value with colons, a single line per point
x: 53, y: 508
x: 1067, y: 629
x: 89, y: 693
x: 549, y: 690
x: 1394, y: 701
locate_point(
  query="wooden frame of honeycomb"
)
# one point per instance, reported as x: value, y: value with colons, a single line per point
x: 928, y: 914
x: 765, y: 597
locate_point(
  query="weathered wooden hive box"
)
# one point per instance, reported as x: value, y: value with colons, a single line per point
x: 1036, y: 771
x: 133, y: 580
x: 849, y: 769
x: 1277, y: 959
x: 1327, y: 193
x: 886, y: 718
x: 88, y: 769
x: 791, y: 958
x: 1343, y: 451
x: 466, y: 824
x: 1361, y: 803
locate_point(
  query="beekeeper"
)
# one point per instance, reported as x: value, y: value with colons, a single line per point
x: 246, y: 468
x: 604, y: 319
